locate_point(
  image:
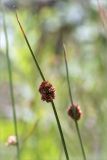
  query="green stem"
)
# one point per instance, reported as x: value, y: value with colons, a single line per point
x: 71, y: 99
x: 11, y: 86
x: 80, y: 139
x: 31, y: 51
x: 42, y: 76
x: 67, y: 72
x: 60, y: 130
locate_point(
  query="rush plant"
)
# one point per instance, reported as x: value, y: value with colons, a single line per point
x: 46, y: 90
x: 11, y: 86
x: 74, y: 110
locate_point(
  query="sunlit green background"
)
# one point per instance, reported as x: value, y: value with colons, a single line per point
x: 47, y: 23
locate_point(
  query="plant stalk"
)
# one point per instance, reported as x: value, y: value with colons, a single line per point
x: 11, y: 85
x: 31, y: 51
x: 60, y: 130
x: 80, y: 139
x: 43, y: 78
x: 71, y: 99
x: 67, y: 73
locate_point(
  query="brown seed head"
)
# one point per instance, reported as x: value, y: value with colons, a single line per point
x: 47, y: 91
x: 74, y: 112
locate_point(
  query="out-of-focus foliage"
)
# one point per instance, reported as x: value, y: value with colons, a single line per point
x: 47, y: 23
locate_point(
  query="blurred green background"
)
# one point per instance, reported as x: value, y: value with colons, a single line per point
x: 47, y: 23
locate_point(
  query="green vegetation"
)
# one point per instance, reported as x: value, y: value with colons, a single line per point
x: 79, y: 25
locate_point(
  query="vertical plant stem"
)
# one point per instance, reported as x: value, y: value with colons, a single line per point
x: 67, y: 72
x: 60, y: 130
x: 37, y: 65
x: 11, y: 86
x: 71, y: 99
x: 80, y: 139
x: 102, y: 15
x: 43, y: 78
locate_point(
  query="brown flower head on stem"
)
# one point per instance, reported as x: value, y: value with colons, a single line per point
x: 74, y: 112
x: 47, y: 91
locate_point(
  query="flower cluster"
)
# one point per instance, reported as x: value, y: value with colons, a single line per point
x: 74, y: 112
x: 47, y: 91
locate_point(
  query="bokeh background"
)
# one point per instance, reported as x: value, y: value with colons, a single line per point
x: 46, y: 23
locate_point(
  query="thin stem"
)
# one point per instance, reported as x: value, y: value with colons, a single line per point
x: 28, y: 135
x: 102, y: 15
x: 42, y: 76
x: 11, y: 86
x: 80, y: 139
x: 60, y: 130
x: 31, y: 51
x: 67, y: 72
x: 71, y: 99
